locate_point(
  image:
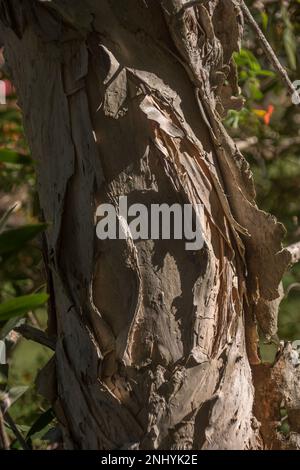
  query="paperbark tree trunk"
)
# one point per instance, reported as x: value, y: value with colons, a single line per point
x: 154, y: 343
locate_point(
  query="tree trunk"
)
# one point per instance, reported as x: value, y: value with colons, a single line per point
x: 154, y: 343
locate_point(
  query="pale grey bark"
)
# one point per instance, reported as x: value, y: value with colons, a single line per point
x: 154, y: 343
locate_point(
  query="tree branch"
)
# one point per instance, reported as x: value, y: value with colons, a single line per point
x: 16, y: 431
x: 267, y: 48
x: 36, y: 335
x: 245, y: 144
x: 4, y: 441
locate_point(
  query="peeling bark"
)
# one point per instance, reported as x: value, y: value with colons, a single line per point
x: 153, y: 343
x: 277, y: 389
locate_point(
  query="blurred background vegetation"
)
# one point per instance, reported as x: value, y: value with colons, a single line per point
x: 267, y: 130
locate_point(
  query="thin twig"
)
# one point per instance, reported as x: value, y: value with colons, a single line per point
x: 16, y: 431
x: 287, y: 143
x: 293, y: 286
x: 267, y: 48
x: 245, y: 144
x: 33, y: 319
x: 36, y: 335
x: 295, y: 252
x: 4, y: 441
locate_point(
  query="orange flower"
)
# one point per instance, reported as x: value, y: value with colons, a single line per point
x: 265, y: 114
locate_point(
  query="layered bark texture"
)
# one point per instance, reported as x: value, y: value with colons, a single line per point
x: 154, y: 343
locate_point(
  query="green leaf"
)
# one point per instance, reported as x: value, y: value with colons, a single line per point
x: 285, y: 428
x: 265, y: 73
x: 40, y: 424
x: 10, y: 397
x: 13, y: 240
x: 289, y: 39
x: 15, y: 158
x: 5, y: 217
x: 254, y: 91
x: 245, y: 58
x: 21, y: 305
x: 15, y: 393
x: 264, y: 20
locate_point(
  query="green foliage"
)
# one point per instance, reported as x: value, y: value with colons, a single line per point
x: 19, y: 306
x: 14, y: 240
x: 41, y: 423
x: 14, y: 158
x: 289, y: 39
x: 271, y: 117
x: 250, y: 72
x: 21, y: 299
x: 27, y: 359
